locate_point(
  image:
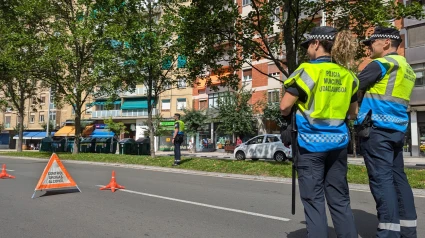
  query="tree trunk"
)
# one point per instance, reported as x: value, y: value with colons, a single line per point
x: 20, y: 128
x: 77, y: 132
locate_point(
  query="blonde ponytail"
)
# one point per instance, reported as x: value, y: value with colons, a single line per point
x: 344, y: 49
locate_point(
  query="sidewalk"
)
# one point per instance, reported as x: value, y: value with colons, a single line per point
x: 408, y: 161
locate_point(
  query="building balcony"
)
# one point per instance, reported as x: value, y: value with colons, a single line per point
x: 137, y: 92
x: 137, y: 113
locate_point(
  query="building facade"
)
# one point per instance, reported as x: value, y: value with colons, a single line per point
x: 414, y: 32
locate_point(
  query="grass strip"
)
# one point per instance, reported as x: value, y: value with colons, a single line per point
x: 356, y: 173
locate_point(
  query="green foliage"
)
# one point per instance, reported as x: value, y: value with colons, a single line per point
x: 193, y: 120
x: 235, y: 113
x: 116, y: 127
x: 273, y: 30
x: 51, y: 126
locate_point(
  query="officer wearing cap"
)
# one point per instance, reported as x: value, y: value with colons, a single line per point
x: 178, y: 138
x: 387, y: 83
x: 325, y: 92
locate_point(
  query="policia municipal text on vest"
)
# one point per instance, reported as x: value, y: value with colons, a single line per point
x: 325, y: 93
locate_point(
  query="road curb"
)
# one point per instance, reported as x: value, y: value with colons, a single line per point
x: 354, y: 187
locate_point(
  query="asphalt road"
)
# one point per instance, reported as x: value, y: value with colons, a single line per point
x: 159, y: 204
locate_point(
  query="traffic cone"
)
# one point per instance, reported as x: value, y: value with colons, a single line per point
x: 112, y: 184
x: 4, y: 173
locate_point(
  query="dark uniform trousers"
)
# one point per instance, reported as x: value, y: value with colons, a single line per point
x: 383, y: 154
x: 177, y: 152
x: 320, y: 175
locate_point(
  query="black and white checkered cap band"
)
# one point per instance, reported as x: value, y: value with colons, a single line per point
x: 385, y: 36
x: 319, y: 37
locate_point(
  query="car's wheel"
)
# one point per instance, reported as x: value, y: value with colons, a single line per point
x: 255, y: 159
x: 280, y: 156
x: 240, y: 155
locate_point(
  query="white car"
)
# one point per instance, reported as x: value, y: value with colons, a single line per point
x: 267, y: 146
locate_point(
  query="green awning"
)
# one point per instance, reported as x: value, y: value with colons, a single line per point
x: 104, y: 102
x: 136, y: 103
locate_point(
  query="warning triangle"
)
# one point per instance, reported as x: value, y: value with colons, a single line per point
x: 55, y: 176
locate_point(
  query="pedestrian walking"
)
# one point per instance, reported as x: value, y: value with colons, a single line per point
x: 177, y: 138
x: 386, y: 84
x: 325, y: 93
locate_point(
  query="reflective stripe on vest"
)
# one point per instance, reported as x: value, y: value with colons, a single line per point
x: 389, y: 97
x: 320, y: 120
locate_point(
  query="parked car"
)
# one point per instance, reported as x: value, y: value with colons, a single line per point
x: 268, y: 146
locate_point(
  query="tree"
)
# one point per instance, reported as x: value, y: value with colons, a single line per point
x: 193, y: 120
x: 143, y: 49
x: 235, y: 113
x: 74, y: 32
x: 116, y: 127
x: 20, y: 51
x: 273, y: 30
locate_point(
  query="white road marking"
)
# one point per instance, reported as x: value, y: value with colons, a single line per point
x: 11, y: 170
x: 205, y: 205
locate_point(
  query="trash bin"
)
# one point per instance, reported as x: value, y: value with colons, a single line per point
x: 127, y: 146
x: 70, y: 145
x: 58, y: 144
x: 88, y: 145
x: 143, y: 146
x: 46, y: 144
x: 103, y: 145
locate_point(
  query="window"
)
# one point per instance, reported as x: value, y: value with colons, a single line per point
x: 203, y: 104
x: 43, y: 99
x: 181, y: 83
x: 247, y: 75
x: 52, y: 102
x: 256, y: 140
x: 34, y: 100
x: 7, y: 120
x: 420, y: 73
x: 246, y: 2
x: 166, y: 104
x: 213, y: 99
x: 89, y: 108
x: 271, y: 139
x: 275, y: 15
x: 32, y: 118
x: 273, y: 96
x: 106, y: 107
x: 53, y: 116
x: 181, y: 103
x: 275, y: 74
x: 416, y: 36
x: 41, y: 117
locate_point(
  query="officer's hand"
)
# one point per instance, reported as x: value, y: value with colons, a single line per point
x: 172, y: 141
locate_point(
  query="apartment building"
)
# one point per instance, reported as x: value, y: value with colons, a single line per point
x: 35, y: 119
x: 414, y: 32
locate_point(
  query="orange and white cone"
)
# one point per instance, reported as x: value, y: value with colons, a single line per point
x: 4, y: 174
x: 112, y: 184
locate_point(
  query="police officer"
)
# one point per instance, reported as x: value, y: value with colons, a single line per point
x: 387, y: 83
x: 326, y: 94
x: 177, y: 138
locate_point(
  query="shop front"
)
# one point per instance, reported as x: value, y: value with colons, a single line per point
x: 165, y: 139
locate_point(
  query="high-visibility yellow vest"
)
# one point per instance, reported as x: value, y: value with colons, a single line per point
x: 181, y: 126
x: 320, y: 119
x: 389, y: 97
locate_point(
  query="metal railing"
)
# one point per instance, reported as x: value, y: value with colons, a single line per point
x: 121, y: 113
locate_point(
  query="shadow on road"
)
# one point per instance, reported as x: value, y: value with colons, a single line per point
x: 366, y: 224
x: 59, y: 191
